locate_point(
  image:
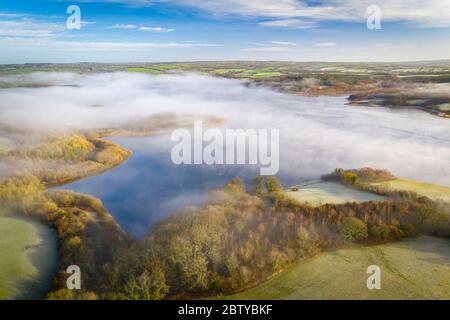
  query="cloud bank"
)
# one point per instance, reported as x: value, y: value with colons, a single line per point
x: 316, y: 134
x: 430, y: 13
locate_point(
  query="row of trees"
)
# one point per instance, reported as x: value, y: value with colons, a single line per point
x: 357, y: 176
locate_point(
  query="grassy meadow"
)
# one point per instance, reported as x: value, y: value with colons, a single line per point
x: 317, y: 193
x: 417, y: 268
x: 17, y: 238
x: 431, y: 191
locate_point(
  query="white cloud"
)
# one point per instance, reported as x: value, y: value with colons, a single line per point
x: 86, y: 23
x: 284, y: 43
x: 429, y: 13
x: 23, y: 25
x: 12, y: 15
x: 156, y: 29
x: 28, y: 28
x: 269, y: 49
x: 289, y: 23
x: 123, y: 26
x: 141, y: 28
x: 274, y: 46
x: 326, y: 44
x: 60, y: 45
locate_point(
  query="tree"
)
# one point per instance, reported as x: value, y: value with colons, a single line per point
x: 380, y: 232
x: 148, y: 286
x: 353, y: 229
x: 62, y: 294
x: 262, y: 185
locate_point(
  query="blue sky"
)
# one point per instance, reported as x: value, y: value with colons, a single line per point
x: 193, y: 30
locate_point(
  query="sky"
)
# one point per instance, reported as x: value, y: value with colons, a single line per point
x: 35, y: 31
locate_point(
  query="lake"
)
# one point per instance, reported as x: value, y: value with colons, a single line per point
x: 317, y: 135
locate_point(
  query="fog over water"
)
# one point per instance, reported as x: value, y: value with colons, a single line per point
x: 316, y: 135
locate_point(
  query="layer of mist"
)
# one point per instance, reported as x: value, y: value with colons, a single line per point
x: 316, y: 134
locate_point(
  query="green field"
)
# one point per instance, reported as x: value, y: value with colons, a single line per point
x: 266, y: 75
x: 144, y: 70
x: 411, y: 269
x: 316, y: 193
x: 226, y: 71
x: 20, y: 275
x: 16, y: 236
x: 431, y: 191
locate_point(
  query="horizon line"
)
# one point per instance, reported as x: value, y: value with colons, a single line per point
x: 232, y: 60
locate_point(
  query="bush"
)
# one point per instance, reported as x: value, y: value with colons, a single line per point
x: 149, y: 286
x: 66, y: 294
x: 62, y: 294
x: 23, y: 194
x: 263, y: 185
x: 353, y: 229
x: 380, y: 232
x: 71, y: 148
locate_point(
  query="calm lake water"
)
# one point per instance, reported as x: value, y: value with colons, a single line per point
x: 317, y: 135
x: 149, y: 186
